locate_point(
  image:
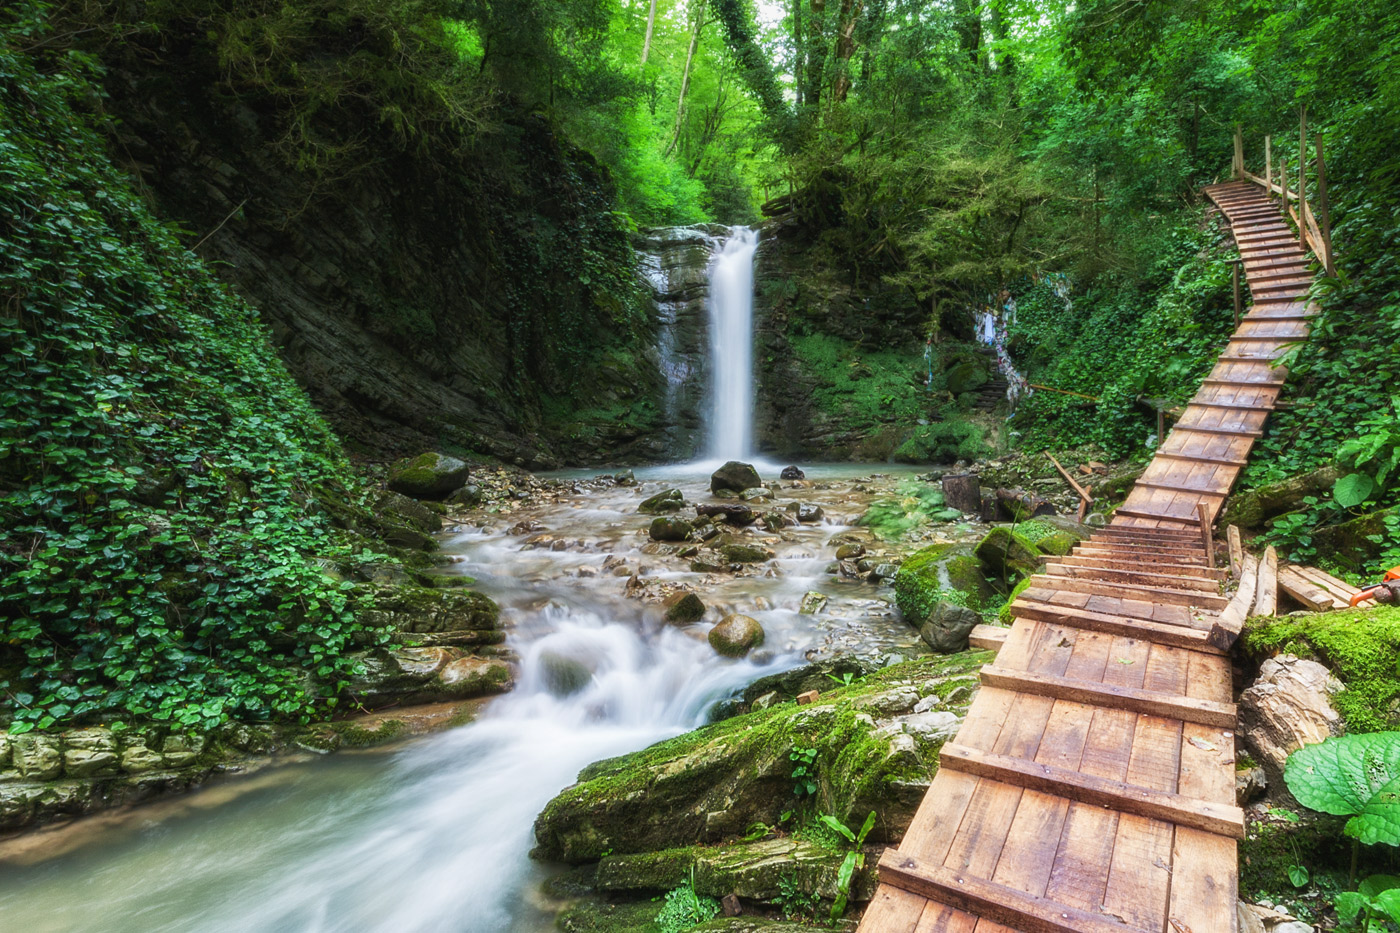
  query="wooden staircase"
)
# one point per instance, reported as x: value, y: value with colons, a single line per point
x: 1091, y: 787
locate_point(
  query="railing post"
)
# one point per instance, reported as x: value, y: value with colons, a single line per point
x: 1303, y: 173
x: 1236, y: 265
x: 1239, y: 151
x: 1268, y: 167
x: 1207, y: 538
x: 1326, y: 210
x: 1283, y: 181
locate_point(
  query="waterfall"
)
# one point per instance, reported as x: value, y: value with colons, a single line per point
x: 731, y: 346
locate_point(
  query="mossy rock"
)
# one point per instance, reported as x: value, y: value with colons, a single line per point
x: 671, y: 500
x: 1004, y: 613
x: 745, y: 553
x: 1006, y: 555
x: 669, y: 529
x: 735, y: 477
x: 399, y: 509
x: 1059, y: 544
x: 966, y: 377
x: 712, y: 784
x: 428, y: 476
x: 1253, y: 507
x: 408, y: 608
x: 354, y: 735
x: 683, y: 608
x: 736, y: 635
x: 942, y: 572
x: 1360, y: 646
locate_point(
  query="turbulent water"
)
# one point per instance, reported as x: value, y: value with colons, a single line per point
x: 731, y: 346
x: 434, y: 836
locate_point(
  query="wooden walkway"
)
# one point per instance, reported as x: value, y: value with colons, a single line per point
x: 1092, y: 786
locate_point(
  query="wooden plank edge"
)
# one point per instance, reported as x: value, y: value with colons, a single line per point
x: 989, y: 637
x: 1207, y: 815
x: 1113, y: 696
x: 1158, y: 633
x: 1225, y: 630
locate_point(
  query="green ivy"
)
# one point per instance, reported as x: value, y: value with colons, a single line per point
x: 161, y: 475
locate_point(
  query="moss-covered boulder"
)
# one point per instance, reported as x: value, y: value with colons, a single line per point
x: 735, y: 477
x: 745, y: 553
x: 1361, y: 647
x: 428, y: 476
x: 669, y: 529
x: 942, y: 572
x: 948, y: 626
x: 1253, y: 507
x: 683, y: 607
x: 736, y: 635
x: 1006, y: 554
x: 397, y: 509
x: 425, y: 674
x: 432, y: 610
x: 671, y: 500
x: 714, y: 783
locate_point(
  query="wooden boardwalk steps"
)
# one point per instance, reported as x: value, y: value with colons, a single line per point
x: 1092, y: 785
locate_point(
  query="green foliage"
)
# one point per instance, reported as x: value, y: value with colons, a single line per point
x: 915, y: 503
x: 1375, y: 901
x: 1352, y: 775
x: 1361, y: 646
x: 864, y: 389
x: 943, y: 442
x: 794, y: 901
x: 161, y: 476
x: 804, y: 771
x: 852, y: 863
x: 684, y: 909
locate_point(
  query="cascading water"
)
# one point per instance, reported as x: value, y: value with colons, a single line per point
x: 731, y: 346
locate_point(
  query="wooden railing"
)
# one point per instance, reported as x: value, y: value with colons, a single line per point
x: 1314, y: 226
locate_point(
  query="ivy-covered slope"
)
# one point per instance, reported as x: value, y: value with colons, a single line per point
x: 159, y: 469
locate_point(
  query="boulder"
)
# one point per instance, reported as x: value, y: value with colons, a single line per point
x: 941, y: 572
x: 37, y: 757
x: 712, y: 784
x: 735, y: 635
x: 1007, y: 555
x: 792, y: 473
x: 428, y: 476
x: 745, y: 553
x: 739, y: 515
x: 948, y: 626
x: 735, y: 476
x: 669, y: 501
x: 812, y: 603
x: 850, y: 551
x: 777, y: 521
x: 470, y: 677
x: 425, y: 675
x: 670, y: 529
x: 683, y: 608
x: 563, y: 676
x: 807, y: 513
x: 410, y: 608
x: 469, y: 496
x: 1288, y: 706
x: 398, y: 509
x: 756, y: 494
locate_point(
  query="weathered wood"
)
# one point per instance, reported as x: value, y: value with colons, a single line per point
x: 1304, y: 590
x: 1232, y: 535
x: 1136, y: 576
x: 1206, y: 533
x: 1266, y: 596
x: 1146, y: 630
x: 962, y: 491
x: 1225, y: 819
x: 1157, y: 594
x: 1023, y: 505
x: 1225, y: 630
x: 1155, y: 516
x: 1187, y: 709
x: 1083, y: 493
x: 998, y: 902
x: 989, y: 637
x: 1340, y: 589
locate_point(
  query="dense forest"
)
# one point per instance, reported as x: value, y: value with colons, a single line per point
x: 255, y: 254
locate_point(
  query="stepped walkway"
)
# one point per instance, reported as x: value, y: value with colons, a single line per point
x: 1092, y: 786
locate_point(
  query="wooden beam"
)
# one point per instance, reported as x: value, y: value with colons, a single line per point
x: 1232, y: 535
x: 1222, y: 819
x: 1266, y: 596
x: 1225, y: 630
x: 1159, y: 633
x: 989, y: 637
x: 1304, y: 590
x: 1158, y: 594
x: 1083, y: 493
x: 995, y: 902
x: 1206, y: 533
x: 1154, y: 516
x: 1112, y: 696
x: 1139, y: 576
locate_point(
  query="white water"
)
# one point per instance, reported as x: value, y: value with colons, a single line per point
x: 731, y: 346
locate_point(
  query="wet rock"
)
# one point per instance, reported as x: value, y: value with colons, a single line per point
x: 137, y: 757
x: 736, y: 635
x: 756, y: 494
x: 1007, y: 555
x: 735, y: 476
x: 706, y: 564
x: 409, y: 538
x: 819, y: 675
x: 947, y: 628
x: 683, y: 608
x: 808, y: 514
x: 669, y: 501
x: 625, y: 478
x: 427, y: 476
x: 850, y: 551
x: 563, y: 676
x: 812, y: 603
x: 474, y: 677
x: 399, y: 509
x: 792, y: 473
x: 468, y: 496
x: 430, y: 610
x: 90, y: 753
x: 884, y: 573
x: 177, y: 751
x: 669, y: 529
x: 1250, y: 785
x: 745, y: 553
x: 939, y: 572
x: 37, y: 757
x: 738, y: 515
x: 765, y: 701
x: 776, y: 521
x: 1288, y: 706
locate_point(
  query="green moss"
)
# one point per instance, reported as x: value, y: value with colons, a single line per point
x: 915, y: 503
x: 1004, y: 613
x: 1269, y: 848
x: 354, y: 735
x: 1035, y: 532
x: 862, y: 389
x: 1362, y: 647
x: 1059, y: 544
x: 942, y: 572
x: 943, y: 442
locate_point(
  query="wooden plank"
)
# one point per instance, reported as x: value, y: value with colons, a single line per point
x: 1177, y: 487
x: 990, y: 637
x: 892, y: 910
x: 1146, y: 630
x: 1171, y: 597
x: 1225, y: 630
x: 1231, y: 431
x: 1304, y: 590
x: 1157, y: 516
x: 1339, y: 588
x: 1147, y: 802
x: 997, y: 902
x: 1205, y: 883
x: 1129, y: 561
x: 1232, y: 535
x: 1134, y: 577
x: 1219, y: 461
x: 1204, y: 712
x: 1266, y: 596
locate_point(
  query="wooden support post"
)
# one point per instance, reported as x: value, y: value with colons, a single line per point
x: 1084, y: 504
x: 1232, y: 534
x: 1162, y: 420
x: 1207, y: 538
x: 1323, y: 204
x: 1239, y: 152
x: 1303, y: 173
x: 1268, y: 166
x: 1238, y: 307
x: 1283, y: 181
x: 1266, y: 592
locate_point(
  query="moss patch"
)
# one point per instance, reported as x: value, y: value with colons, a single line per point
x: 943, y: 572
x: 1362, y: 647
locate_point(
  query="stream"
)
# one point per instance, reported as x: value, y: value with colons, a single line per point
x: 434, y: 835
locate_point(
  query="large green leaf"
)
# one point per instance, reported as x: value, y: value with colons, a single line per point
x: 1356, y: 776
x: 1353, y: 489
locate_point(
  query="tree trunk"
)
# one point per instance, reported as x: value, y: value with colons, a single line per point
x: 845, y: 48
x: 816, y: 58
x: 799, y: 63
x: 969, y: 27
x: 651, y: 24
x: 1023, y: 505
x: 962, y: 492
x: 685, y: 77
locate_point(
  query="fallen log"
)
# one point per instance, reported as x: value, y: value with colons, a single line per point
x: 1023, y: 505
